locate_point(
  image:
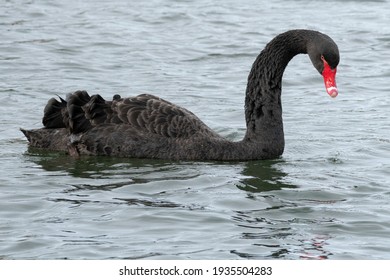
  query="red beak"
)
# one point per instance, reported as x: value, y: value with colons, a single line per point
x: 329, y: 75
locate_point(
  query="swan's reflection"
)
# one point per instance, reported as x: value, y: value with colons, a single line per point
x: 254, y: 176
x: 89, y: 166
x: 263, y: 176
x: 274, y: 227
x: 266, y: 222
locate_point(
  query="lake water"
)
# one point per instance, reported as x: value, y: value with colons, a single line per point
x: 327, y: 197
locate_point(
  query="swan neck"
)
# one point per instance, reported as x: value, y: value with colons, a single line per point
x: 263, y: 106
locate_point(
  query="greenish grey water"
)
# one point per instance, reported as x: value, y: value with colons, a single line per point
x: 327, y: 197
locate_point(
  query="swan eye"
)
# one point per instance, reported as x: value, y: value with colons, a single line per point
x: 322, y: 57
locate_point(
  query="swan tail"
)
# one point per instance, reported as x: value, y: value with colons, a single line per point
x: 51, y: 139
x: 54, y: 112
x: 97, y: 110
x: 77, y: 119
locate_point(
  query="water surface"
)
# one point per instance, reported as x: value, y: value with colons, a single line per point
x: 326, y: 197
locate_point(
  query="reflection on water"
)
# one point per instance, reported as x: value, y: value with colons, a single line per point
x: 279, y: 238
x: 263, y: 176
x: 265, y: 215
x: 158, y: 185
x: 91, y: 167
x: 257, y: 176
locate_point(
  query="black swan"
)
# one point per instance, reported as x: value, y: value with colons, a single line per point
x: 147, y: 126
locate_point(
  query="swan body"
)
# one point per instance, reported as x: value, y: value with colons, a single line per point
x: 147, y: 126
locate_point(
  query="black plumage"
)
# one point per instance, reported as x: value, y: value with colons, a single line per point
x: 147, y: 126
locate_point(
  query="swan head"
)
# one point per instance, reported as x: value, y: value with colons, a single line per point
x: 324, y: 54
